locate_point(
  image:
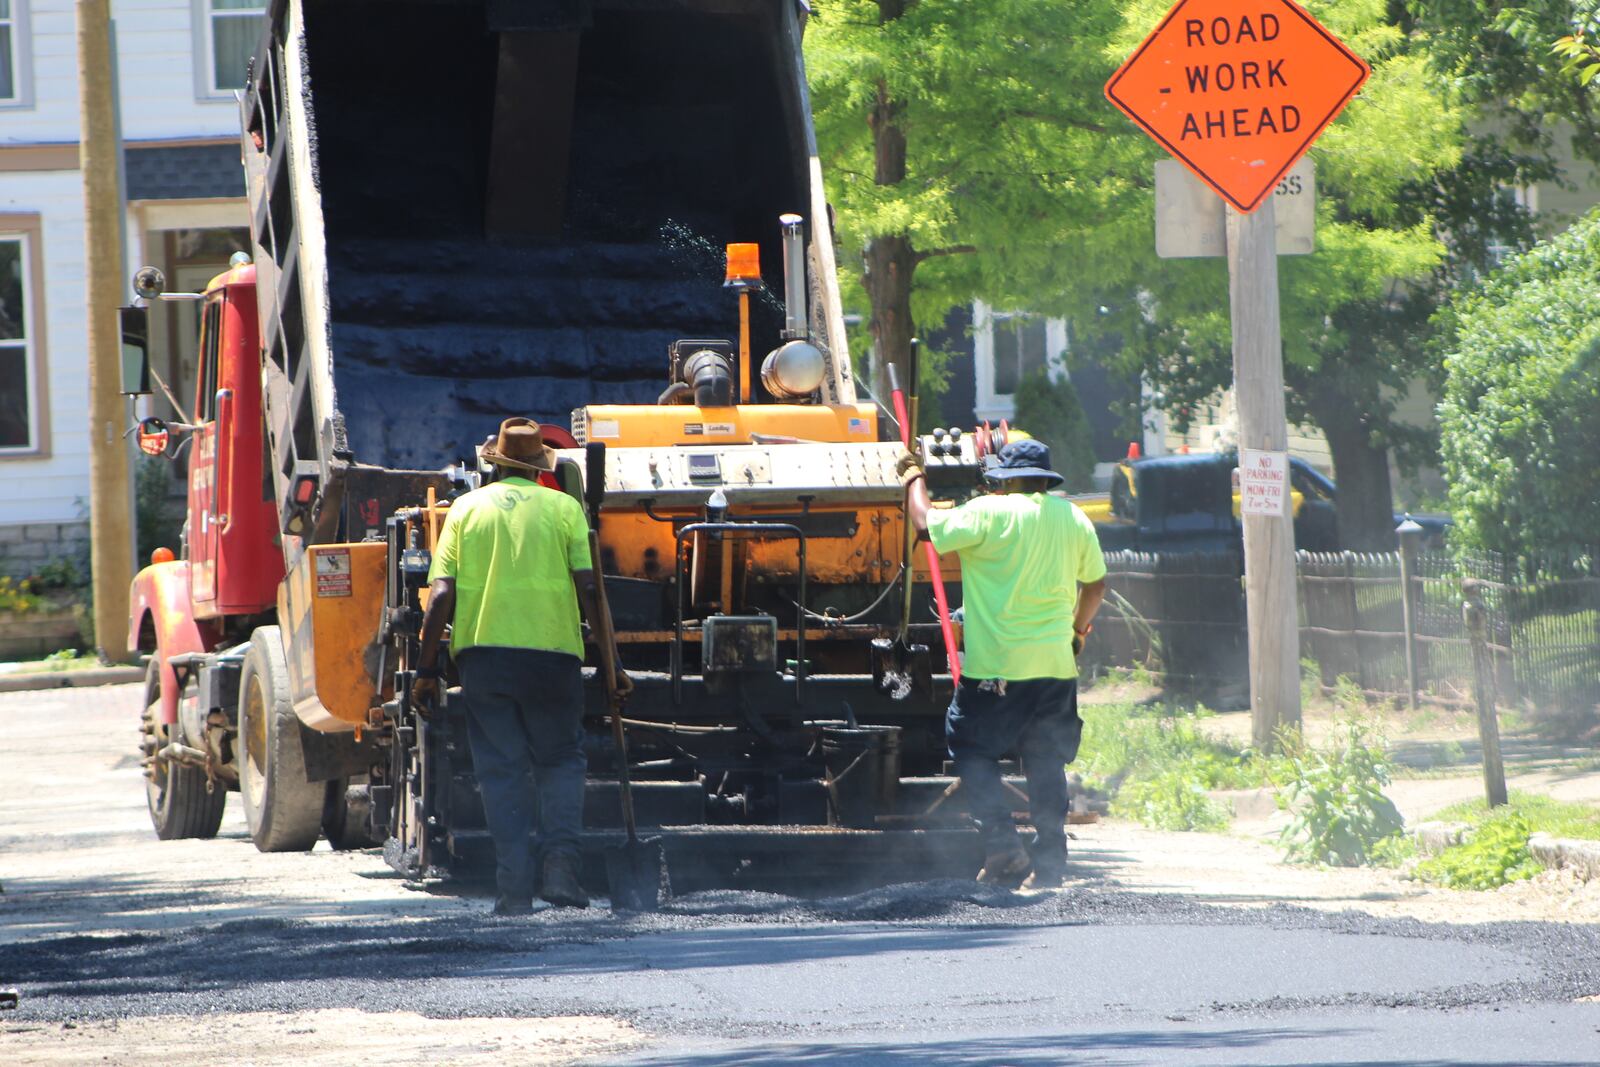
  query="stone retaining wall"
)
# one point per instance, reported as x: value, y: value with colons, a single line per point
x: 26, y: 547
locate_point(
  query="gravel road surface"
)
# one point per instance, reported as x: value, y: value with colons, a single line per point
x: 127, y: 950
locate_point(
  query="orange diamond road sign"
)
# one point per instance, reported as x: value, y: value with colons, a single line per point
x: 1238, y: 90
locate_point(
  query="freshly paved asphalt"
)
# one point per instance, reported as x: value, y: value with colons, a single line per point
x: 941, y: 972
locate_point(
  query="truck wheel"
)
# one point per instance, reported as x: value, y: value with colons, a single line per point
x: 180, y: 804
x: 281, y: 808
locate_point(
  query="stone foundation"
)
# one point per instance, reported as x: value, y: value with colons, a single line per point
x: 27, y: 547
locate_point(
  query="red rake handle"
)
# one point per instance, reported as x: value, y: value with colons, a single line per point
x: 935, y: 572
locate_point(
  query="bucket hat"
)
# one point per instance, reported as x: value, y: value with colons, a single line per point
x: 520, y: 445
x: 1024, y: 459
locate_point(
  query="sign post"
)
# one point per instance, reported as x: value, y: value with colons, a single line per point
x: 1238, y: 91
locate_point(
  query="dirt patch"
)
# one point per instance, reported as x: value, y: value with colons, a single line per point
x: 315, y: 1039
x: 1245, y: 871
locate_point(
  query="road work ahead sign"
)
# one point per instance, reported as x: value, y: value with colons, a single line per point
x: 1237, y: 90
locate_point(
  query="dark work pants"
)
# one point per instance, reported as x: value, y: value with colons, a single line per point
x: 525, y: 726
x: 1036, y: 720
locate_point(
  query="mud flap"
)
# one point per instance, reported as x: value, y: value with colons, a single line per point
x: 336, y: 755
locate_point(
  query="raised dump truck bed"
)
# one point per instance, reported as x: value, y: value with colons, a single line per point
x: 466, y: 210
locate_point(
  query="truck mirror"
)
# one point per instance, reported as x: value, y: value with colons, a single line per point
x: 149, y: 283
x: 153, y: 436
x: 135, y: 324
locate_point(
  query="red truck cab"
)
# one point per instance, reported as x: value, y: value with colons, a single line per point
x: 231, y: 563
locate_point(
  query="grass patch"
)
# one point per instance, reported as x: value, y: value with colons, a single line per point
x: 1157, y: 764
x: 1497, y: 854
x: 68, y: 659
x: 1498, y: 851
x: 1557, y: 818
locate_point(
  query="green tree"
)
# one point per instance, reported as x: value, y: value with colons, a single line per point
x: 1393, y: 173
x: 967, y: 148
x: 970, y: 153
x: 1521, y: 409
x: 1499, y: 58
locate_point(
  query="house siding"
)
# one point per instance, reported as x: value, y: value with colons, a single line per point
x: 54, y: 488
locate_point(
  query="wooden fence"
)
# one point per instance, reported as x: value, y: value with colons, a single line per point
x: 1183, y: 617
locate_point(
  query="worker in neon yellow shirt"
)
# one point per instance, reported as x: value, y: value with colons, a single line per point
x: 1032, y: 578
x: 510, y: 572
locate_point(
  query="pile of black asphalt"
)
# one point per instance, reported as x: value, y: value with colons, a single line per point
x: 561, y: 961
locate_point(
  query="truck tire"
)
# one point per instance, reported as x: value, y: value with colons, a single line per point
x: 281, y: 808
x: 180, y: 804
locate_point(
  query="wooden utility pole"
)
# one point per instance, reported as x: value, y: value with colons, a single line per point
x: 1271, y: 605
x: 110, y: 471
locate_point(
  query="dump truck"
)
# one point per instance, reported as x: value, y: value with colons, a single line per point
x: 463, y: 210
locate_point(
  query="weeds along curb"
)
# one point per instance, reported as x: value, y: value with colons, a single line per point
x: 1552, y: 853
x: 21, y: 683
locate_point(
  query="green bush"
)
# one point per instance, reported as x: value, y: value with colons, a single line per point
x: 1051, y: 412
x: 1158, y: 765
x: 1175, y: 799
x: 1497, y: 854
x: 1520, y: 416
x: 1334, y: 795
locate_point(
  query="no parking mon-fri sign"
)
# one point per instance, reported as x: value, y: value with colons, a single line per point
x: 1238, y: 90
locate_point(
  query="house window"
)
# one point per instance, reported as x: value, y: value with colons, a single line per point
x: 1009, y: 347
x: 20, y: 344
x: 14, y: 58
x: 228, y: 37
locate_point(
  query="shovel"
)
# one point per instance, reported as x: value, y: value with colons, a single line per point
x: 636, y: 870
x: 936, y: 575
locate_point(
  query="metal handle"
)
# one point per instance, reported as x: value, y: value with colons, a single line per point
x: 224, y: 431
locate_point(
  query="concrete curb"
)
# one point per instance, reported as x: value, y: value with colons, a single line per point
x: 1554, y: 853
x: 22, y: 683
x: 1248, y: 805
x: 1434, y: 837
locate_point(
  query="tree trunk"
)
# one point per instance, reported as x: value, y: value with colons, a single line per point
x: 1361, y: 470
x: 890, y: 263
x: 890, y: 259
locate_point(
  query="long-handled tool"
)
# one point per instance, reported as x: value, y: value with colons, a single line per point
x: 635, y: 871
x: 935, y: 573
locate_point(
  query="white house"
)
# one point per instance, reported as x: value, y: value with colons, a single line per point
x: 178, y: 64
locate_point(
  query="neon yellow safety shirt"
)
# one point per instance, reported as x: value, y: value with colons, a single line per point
x: 1022, y: 557
x: 512, y: 547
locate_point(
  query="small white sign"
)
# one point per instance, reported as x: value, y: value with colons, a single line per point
x: 1263, y: 483
x: 1190, y: 222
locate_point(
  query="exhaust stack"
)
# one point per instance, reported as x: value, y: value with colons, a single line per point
x: 794, y: 278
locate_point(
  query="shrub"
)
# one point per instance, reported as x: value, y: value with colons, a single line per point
x: 1175, y: 799
x: 1051, y: 412
x: 1334, y: 795
x: 1497, y: 854
x: 1159, y: 765
x: 1521, y: 408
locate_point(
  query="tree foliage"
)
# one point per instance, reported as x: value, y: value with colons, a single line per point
x: 1501, y: 59
x: 970, y: 153
x: 1521, y: 410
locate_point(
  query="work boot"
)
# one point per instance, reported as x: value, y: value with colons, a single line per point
x: 508, y: 904
x: 561, y: 885
x: 1005, y: 867
x: 1045, y: 878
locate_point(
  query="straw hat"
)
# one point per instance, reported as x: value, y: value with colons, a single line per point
x: 520, y: 446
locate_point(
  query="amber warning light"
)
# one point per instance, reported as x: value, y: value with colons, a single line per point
x: 744, y: 267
